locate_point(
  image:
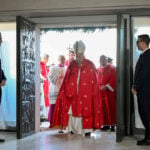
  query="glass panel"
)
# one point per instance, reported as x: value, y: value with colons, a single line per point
x: 8, y: 59
x: 141, y: 25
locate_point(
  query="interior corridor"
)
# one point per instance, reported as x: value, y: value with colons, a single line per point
x: 51, y: 140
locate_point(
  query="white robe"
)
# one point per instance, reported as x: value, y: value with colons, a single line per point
x: 56, y: 77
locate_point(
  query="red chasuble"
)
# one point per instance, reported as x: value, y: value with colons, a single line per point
x: 82, y: 97
x: 107, y: 98
x: 44, y: 72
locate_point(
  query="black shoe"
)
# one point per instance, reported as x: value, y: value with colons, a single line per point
x: 2, y: 140
x: 60, y: 132
x: 71, y: 132
x: 143, y: 142
x: 105, y: 128
x: 88, y: 134
x: 112, y: 128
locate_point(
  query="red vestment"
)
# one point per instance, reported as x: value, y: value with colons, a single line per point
x: 107, y: 76
x: 84, y: 101
x: 44, y: 72
x: 67, y: 63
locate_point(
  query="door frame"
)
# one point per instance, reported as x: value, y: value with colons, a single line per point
x: 123, y: 76
x: 102, y: 20
x: 130, y: 69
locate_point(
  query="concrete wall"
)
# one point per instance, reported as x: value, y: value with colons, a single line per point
x: 54, y: 5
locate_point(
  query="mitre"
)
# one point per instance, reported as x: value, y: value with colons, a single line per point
x: 79, y: 47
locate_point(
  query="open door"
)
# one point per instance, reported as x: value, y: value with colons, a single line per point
x: 26, y: 77
x: 123, y: 77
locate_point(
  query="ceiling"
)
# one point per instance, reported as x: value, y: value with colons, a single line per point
x: 61, y: 18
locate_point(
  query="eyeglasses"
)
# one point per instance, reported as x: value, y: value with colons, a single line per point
x: 138, y: 41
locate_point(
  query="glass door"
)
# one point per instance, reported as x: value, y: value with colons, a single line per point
x: 140, y: 25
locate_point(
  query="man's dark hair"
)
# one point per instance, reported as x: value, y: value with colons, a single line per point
x: 102, y: 56
x: 145, y: 38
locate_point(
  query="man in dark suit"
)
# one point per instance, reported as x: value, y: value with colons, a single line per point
x: 141, y: 85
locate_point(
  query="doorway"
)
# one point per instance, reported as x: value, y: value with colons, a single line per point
x: 98, y: 41
x: 23, y: 37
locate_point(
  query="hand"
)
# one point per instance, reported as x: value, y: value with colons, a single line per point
x: 43, y: 78
x: 133, y: 90
x: 61, y: 76
x: 103, y: 88
x: 2, y: 83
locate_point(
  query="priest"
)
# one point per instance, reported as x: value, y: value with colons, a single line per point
x: 77, y: 105
x: 107, y: 93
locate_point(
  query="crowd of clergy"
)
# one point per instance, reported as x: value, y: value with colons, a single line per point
x: 78, y: 97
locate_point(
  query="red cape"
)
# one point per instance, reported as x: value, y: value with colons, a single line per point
x: 107, y: 98
x: 85, y: 104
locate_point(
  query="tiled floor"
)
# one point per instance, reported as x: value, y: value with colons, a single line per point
x: 51, y: 140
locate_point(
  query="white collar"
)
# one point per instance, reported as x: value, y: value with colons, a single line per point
x: 104, y: 66
x: 144, y: 51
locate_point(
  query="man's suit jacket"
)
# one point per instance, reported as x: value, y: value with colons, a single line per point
x: 142, y: 72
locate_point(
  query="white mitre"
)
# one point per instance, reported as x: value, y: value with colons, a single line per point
x: 79, y: 47
x: 44, y: 55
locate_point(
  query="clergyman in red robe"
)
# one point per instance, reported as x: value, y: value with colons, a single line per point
x: 71, y: 56
x: 77, y: 105
x: 107, y: 93
x: 44, y: 76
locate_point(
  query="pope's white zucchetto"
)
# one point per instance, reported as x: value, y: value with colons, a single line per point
x: 79, y: 47
x: 45, y: 55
